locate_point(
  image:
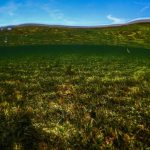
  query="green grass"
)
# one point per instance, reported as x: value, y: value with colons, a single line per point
x: 65, y: 97
x: 128, y: 35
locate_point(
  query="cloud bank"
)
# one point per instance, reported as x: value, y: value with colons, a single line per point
x: 115, y: 20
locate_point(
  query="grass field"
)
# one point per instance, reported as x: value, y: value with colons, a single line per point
x: 74, y: 97
x: 136, y: 34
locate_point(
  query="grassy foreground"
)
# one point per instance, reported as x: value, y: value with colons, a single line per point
x: 75, y: 101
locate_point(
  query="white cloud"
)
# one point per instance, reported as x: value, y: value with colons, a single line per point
x: 58, y: 16
x: 9, y: 9
x: 142, y: 3
x: 55, y: 14
x: 142, y: 18
x: 115, y: 20
x: 144, y: 6
x: 144, y: 9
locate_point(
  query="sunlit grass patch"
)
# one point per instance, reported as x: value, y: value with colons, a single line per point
x: 66, y: 90
x: 75, y: 102
x: 140, y: 73
x: 64, y: 131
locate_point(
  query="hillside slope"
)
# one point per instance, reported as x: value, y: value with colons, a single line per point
x: 135, y: 34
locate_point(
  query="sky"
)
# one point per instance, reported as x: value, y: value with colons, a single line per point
x: 72, y: 12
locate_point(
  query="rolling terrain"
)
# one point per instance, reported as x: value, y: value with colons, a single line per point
x: 75, y: 88
x: 134, y: 34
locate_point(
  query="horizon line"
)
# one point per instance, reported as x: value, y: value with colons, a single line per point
x: 133, y: 21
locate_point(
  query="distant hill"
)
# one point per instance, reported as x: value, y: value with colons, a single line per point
x: 135, y: 33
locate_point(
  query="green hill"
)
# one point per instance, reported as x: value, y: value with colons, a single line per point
x: 135, y: 34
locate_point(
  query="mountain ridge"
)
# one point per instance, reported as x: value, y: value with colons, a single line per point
x: 69, y: 26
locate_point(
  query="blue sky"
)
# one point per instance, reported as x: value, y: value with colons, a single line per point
x: 72, y: 12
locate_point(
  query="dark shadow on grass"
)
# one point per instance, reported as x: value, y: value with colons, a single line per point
x: 18, y: 129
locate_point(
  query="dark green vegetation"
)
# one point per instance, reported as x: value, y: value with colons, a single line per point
x: 74, y: 97
x: 59, y: 89
x: 137, y: 34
